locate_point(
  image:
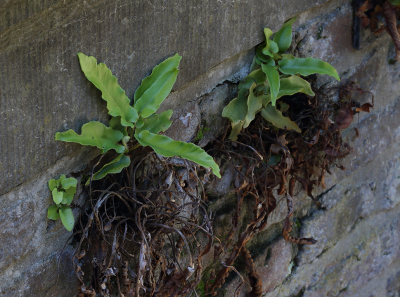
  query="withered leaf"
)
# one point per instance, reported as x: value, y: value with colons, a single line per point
x: 81, y: 255
x: 282, y: 185
x: 327, y: 122
x: 275, y: 148
x: 322, y: 181
x: 344, y: 117
x: 365, y: 107
x: 389, y: 12
x: 331, y: 151
x: 314, y: 140
x: 357, y: 132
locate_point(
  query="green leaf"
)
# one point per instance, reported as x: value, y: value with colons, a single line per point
x: 67, y: 218
x: 270, y: 46
x: 156, y: 87
x: 68, y: 196
x: 156, y: 123
x: 284, y: 107
x: 268, y: 33
x: 254, y: 104
x: 236, y: 128
x: 271, y: 114
x: 307, y: 66
x: 52, y: 213
x: 284, y: 36
x: 270, y: 62
x: 152, y: 99
x: 266, y: 100
x: 273, y: 80
x: 259, y: 53
x: 115, y: 124
x: 115, y: 166
x: 167, y: 147
x: 236, y: 110
x: 257, y: 76
x: 169, y: 64
x: 69, y: 182
x: 275, y: 158
x: 64, y: 200
x: 95, y: 134
x: 255, y: 64
x: 294, y: 84
x: 395, y: 2
x: 53, y: 184
x: 118, y: 103
x: 288, y: 56
x: 289, y: 86
x: 140, y: 122
x: 259, y: 88
x: 57, y: 196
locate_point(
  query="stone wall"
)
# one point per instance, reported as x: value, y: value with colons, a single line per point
x: 42, y: 91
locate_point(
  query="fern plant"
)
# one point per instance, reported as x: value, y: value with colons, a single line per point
x: 273, y: 74
x: 63, y: 191
x: 134, y: 122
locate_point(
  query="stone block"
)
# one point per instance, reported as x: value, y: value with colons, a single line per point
x: 29, y: 241
x: 50, y: 277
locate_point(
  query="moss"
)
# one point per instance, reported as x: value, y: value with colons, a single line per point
x: 298, y: 224
x: 201, y: 289
x: 203, y: 130
x: 205, y: 278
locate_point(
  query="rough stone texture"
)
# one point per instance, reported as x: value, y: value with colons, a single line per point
x: 43, y: 91
x: 277, y: 266
x: 30, y: 243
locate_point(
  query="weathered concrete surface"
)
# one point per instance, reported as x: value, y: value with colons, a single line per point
x: 30, y: 244
x: 357, y: 253
x: 42, y: 90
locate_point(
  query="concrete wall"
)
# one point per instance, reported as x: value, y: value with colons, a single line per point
x: 42, y: 91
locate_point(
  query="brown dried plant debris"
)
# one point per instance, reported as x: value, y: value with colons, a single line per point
x: 268, y: 159
x: 136, y: 229
x: 381, y: 16
x: 254, y: 279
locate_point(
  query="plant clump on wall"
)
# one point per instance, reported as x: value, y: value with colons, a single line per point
x: 147, y: 224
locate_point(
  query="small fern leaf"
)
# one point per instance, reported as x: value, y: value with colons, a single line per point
x: 271, y: 114
x: 156, y: 87
x: 95, y: 134
x: 118, y: 104
x: 168, y: 147
x: 67, y: 218
x: 156, y: 123
x: 115, y: 166
x: 307, y: 66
